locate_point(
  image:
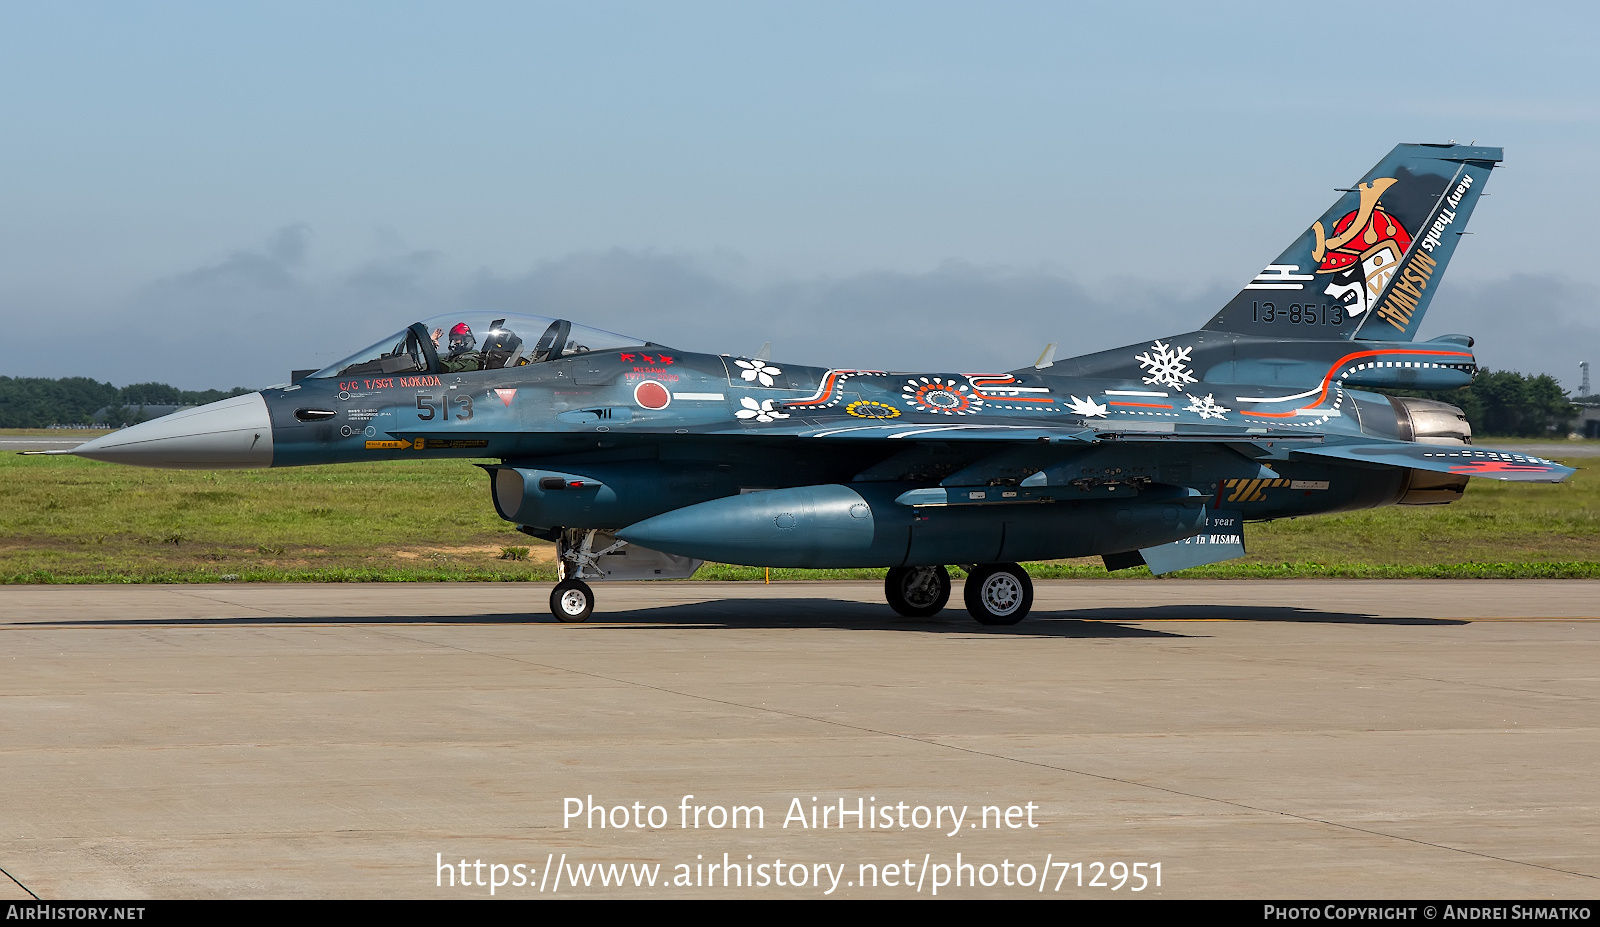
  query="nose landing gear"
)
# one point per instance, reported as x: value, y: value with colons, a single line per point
x: 572, y: 601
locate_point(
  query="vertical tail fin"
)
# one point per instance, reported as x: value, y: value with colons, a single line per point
x: 1368, y: 268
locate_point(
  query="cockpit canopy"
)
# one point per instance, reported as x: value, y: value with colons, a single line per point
x: 469, y: 341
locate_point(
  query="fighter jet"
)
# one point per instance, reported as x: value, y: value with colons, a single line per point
x: 641, y: 461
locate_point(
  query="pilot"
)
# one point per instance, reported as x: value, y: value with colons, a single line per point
x: 462, y: 353
x: 500, y: 345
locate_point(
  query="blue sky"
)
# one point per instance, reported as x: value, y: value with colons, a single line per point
x: 211, y: 194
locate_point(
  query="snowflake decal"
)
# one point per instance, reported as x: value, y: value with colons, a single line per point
x: 1206, y: 408
x: 1086, y: 407
x: 757, y: 371
x: 1166, y: 366
x: 764, y: 411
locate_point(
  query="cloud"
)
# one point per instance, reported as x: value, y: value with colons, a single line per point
x: 248, y: 318
x: 957, y: 316
x: 243, y: 272
x: 1534, y: 323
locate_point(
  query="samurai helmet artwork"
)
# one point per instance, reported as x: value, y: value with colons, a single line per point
x: 1363, y: 252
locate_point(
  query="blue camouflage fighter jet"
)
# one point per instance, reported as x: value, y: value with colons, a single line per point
x: 641, y: 461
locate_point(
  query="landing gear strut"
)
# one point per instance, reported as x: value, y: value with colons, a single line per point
x: 998, y: 593
x: 917, y: 592
x: 572, y: 600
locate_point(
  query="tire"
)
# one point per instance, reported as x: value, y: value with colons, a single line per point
x: 998, y: 593
x: 572, y: 601
x: 917, y: 592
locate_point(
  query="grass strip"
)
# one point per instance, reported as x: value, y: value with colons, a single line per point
x: 66, y: 520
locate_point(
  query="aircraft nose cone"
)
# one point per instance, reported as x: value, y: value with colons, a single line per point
x: 235, y: 433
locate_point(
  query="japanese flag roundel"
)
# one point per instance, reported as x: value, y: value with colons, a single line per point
x: 651, y: 395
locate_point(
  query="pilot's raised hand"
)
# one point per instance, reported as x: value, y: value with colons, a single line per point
x: 436, y: 335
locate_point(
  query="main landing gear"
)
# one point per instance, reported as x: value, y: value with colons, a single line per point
x: 917, y: 592
x: 998, y: 593
x: 995, y: 593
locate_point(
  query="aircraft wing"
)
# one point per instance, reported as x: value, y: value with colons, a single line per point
x: 1463, y: 460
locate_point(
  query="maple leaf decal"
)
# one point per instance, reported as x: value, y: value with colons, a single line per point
x: 1086, y: 407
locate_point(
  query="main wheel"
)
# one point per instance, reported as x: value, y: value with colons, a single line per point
x: 917, y: 592
x: 998, y: 593
x: 572, y: 601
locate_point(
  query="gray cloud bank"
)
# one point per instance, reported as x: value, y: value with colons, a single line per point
x: 248, y: 318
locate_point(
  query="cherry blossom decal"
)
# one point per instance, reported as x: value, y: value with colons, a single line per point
x: 755, y: 371
x: 763, y: 411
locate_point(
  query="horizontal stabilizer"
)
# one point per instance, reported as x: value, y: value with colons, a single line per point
x: 1462, y: 460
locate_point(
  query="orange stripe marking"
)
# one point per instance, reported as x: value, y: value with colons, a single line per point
x: 1327, y: 378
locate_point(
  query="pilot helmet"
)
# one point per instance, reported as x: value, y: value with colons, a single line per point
x: 461, y: 337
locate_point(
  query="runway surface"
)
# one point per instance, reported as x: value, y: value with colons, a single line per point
x: 1277, y: 739
x: 37, y: 443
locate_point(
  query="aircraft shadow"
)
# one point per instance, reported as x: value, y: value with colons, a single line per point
x: 1236, y: 613
x: 1079, y: 622
x: 736, y: 614
x: 755, y: 614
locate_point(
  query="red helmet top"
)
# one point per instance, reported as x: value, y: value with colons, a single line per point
x: 1380, y: 227
x: 460, y: 329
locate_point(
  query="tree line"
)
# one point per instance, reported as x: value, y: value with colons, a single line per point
x: 38, y: 402
x: 1511, y: 404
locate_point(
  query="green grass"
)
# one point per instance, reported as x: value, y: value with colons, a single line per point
x: 66, y: 520
x: 72, y: 520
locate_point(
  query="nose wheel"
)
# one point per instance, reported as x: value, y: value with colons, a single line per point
x: 998, y: 593
x: 572, y: 601
x: 917, y: 592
